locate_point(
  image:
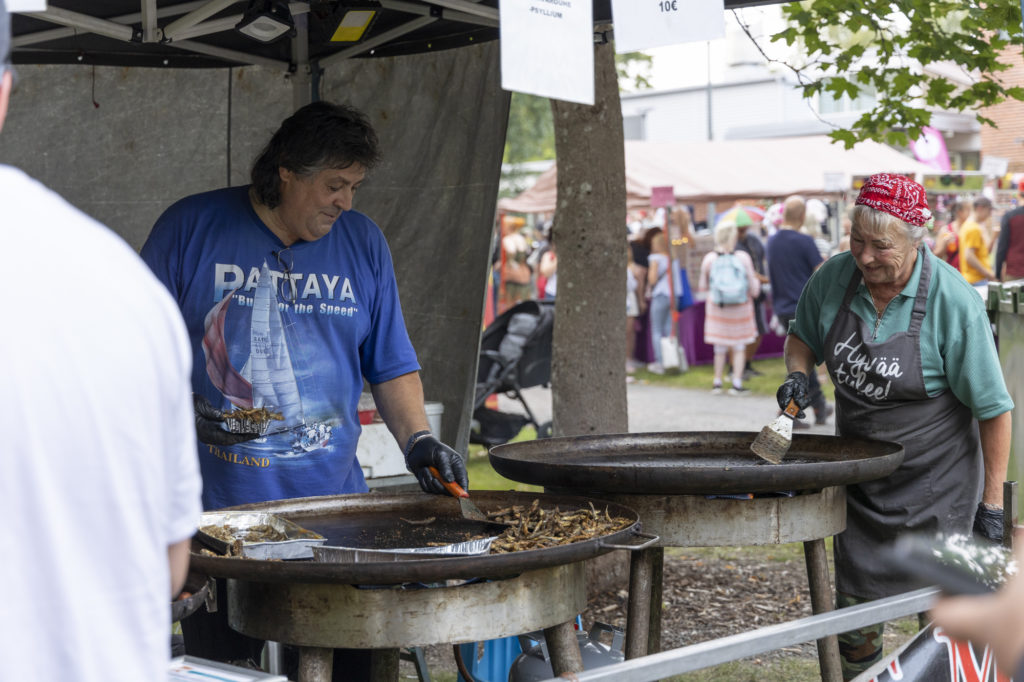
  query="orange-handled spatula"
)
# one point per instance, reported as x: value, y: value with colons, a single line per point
x: 469, y: 510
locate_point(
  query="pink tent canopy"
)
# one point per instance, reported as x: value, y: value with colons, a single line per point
x: 732, y: 169
x: 542, y: 196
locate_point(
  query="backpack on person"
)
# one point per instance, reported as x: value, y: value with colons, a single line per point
x: 727, y: 282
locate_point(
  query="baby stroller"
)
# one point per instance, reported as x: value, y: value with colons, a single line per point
x: 515, y: 353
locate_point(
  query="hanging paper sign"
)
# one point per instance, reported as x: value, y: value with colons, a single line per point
x: 642, y: 24
x: 547, y: 48
x: 662, y: 196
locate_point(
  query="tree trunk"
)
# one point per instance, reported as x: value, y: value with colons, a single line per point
x: 588, y: 362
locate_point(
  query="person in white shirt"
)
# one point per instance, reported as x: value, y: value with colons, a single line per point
x: 99, y: 483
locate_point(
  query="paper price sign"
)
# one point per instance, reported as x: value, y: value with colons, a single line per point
x: 547, y: 48
x: 642, y: 24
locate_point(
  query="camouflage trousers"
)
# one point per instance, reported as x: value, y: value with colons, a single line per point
x: 862, y: 648
x: 858, y: 649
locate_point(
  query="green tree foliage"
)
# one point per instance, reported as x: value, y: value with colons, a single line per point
x: 892, y: 48
x: 634, y: 70
x: 531, y: 131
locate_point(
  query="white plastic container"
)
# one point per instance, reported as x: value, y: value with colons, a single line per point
x: 379, y: 454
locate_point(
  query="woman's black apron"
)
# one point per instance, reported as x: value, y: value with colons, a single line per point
x: 880, y: 394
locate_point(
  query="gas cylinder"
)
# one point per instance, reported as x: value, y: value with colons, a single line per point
x: 535, y: 663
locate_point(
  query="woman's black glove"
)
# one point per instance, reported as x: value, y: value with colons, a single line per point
x: 794, y: 388
x: 988, y: 523
x: 208, y: 424
x: 429, y: 452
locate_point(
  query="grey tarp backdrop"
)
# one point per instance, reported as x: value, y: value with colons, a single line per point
x: 159, y: 135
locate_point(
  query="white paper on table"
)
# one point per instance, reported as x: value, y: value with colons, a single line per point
x: 642, y: 24
x: 201, y: 670
x: 547, y: 48
x: 26, y: 5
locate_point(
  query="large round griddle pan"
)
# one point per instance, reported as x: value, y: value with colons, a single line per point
x: 332, y: 513
x: 692, y: 463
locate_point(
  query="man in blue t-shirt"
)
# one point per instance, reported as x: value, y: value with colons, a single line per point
x: 792, y: 259
x: 290, y: 300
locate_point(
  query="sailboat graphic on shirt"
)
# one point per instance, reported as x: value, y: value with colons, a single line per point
x: 267, y: 379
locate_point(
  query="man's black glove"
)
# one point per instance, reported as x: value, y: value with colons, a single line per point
x: 794, y: 388
x: 208, y: 424
x: 430, y: 452
x: 988, y: 524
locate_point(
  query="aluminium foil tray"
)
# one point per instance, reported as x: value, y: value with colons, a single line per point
x: 298, y: 545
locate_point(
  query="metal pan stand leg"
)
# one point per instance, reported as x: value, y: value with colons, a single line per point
x: 316, y: 664
x: 822, y: 600
x: 564, y: 649
x: 657, y: 575
x: 416, y: 656
x: 638, y: 612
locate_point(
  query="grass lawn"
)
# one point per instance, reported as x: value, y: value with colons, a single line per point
x: 700, y: 377
x: 482, y: 475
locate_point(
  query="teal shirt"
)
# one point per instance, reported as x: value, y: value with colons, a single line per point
x: 958, y: 351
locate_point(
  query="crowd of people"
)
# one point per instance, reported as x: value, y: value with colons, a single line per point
x: 739, y: 279
x: 524, y: 263
x: 774, y: 257
x: 982, y: 248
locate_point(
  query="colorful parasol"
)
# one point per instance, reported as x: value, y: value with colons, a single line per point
x: 743, y: 216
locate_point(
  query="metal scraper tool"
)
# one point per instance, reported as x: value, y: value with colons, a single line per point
x: 469, y: 509
x: 773, y: 442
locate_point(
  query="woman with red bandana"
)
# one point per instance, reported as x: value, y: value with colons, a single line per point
x: 909, y: 348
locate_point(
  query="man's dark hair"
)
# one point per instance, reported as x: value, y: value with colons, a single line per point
x: 317, y: 137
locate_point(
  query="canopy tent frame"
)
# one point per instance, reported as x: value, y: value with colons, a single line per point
x: 196, y: 20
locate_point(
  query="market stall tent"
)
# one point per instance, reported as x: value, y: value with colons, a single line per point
x: 732, y: 169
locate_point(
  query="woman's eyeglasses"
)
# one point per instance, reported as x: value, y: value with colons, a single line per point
x: 286, y: 286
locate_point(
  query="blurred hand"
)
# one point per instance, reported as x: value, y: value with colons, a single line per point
x: 430, y: 452
x: 794, y: 388
x: 209, y: 424
x: 988, y: 524
x: 994, y: 619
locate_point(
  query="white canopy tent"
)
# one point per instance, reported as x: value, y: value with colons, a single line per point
x: 733, y: 169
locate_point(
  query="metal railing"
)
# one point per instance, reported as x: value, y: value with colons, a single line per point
x: 717, y: 651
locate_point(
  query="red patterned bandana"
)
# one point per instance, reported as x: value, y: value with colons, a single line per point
x: 896, y: 195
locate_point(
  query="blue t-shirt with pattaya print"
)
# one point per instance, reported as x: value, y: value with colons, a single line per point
x: 291, y: 330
